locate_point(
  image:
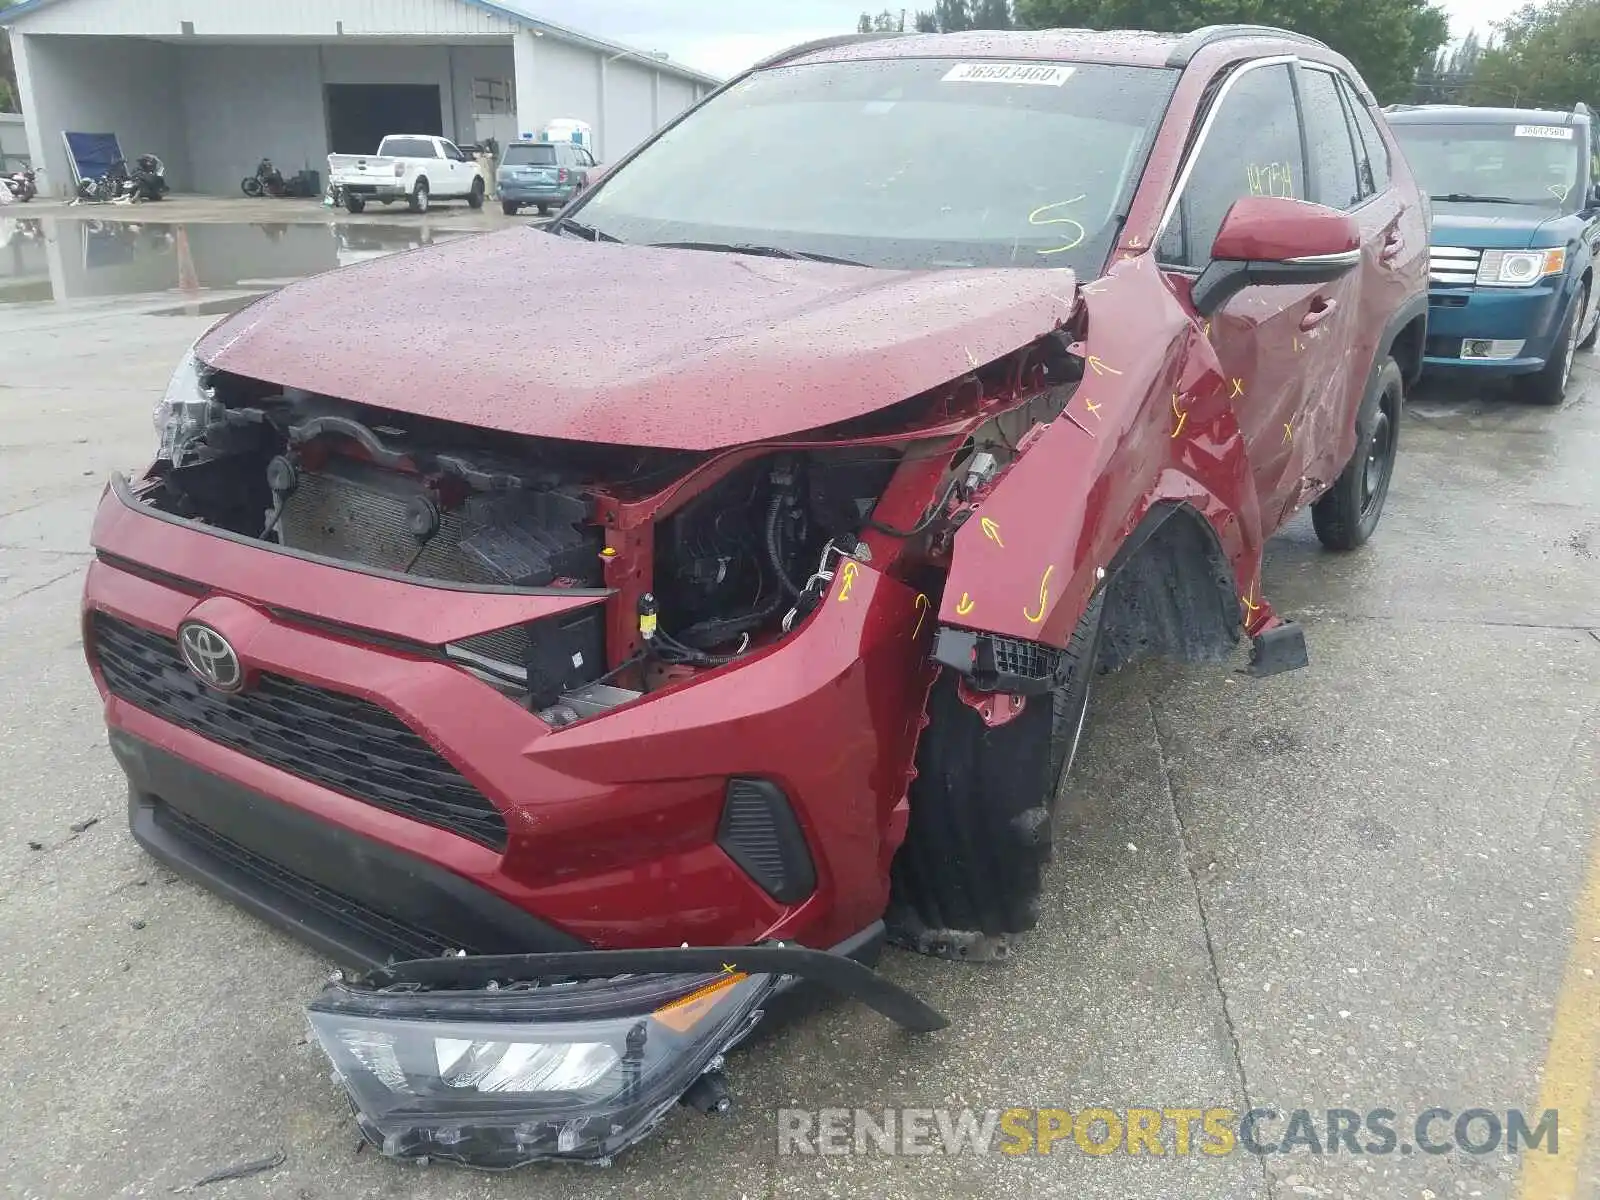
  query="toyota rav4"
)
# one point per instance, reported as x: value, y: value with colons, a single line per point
x: 579, y: 699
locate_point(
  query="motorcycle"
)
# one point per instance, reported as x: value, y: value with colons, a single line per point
x: 269, y: 181
x: 23, y: 185
x: 120, y: 185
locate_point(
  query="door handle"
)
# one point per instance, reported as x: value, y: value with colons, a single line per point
x: 1319, y: 312
x: 1392, y: 245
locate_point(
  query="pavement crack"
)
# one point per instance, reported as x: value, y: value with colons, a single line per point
x: 39, y: 587
x: 1190, y: 857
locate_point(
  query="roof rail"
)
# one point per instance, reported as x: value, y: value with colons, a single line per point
x: 825, y: 43
x: 1583, y: 110
x: 1207, y: 35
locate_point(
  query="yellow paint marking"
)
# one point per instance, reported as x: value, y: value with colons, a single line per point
x: 1238, y: 390
x: 1288, y: 432
x: 1033, y: 219
x: 972, y: 359
x: 1182, y: 416
x: 847, y: 574
x: 729, y: 968
x: 1099, y: 367
x: 921, y: 605
x: 1572, y: 1063
x: 1044, y: 598
x: 992, y: 532
x: 964, y: 605
x: 1208, y: 328
x: 1297, y: 346
x: 1094, y: 409
x: 1249, y: 600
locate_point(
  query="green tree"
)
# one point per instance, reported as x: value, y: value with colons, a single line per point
x: 1548, y: 56
x: 10, y: 98
x: 927, y: 23
x: 864, y: 25
x: 1388, y: 40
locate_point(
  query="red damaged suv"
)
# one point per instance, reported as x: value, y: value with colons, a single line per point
x: 584, y: 633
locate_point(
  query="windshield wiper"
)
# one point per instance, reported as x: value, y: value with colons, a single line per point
x: 582, y: 230
x: 765, y: 251
x: 1474, y: 198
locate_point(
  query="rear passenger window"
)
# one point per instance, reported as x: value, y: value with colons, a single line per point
x: 1375, y: 167
x: 1333, y: 156
x: 1252, y: 149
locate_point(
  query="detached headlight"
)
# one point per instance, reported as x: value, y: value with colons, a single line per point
x: 185, y: 411
x: 506, y: 1077
x: 1520, y: 268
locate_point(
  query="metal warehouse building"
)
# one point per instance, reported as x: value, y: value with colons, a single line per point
x: 211, y: 86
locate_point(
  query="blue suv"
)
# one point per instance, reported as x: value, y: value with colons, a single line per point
x: 1516, y: 230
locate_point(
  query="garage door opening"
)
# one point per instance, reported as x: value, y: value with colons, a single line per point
x: 360, y: 115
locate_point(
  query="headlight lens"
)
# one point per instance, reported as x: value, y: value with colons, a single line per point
x: 185, y: 411
x: 507, y: 1077
x: 1520, y: 268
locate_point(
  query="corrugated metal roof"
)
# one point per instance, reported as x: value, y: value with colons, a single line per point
x: 512, y: 10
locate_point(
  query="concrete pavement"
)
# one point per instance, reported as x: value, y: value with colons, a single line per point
x: 1355, y: 886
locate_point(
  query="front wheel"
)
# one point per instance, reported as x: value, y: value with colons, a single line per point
x: 970, y: 871
x: 1348, y: 512
x: 419, y: 197
x: 475, y: 196
x: 354, y: 202
x: 251, y: 187
x: 1549, y: 386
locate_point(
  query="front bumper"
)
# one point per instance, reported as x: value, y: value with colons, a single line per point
x: 1531, y: 315
x: 611, y: 824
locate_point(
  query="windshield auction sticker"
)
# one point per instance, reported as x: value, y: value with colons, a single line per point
x: 1560, y: 133
x: 1047, y: 74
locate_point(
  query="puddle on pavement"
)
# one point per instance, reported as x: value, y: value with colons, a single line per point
x: 68, y: 259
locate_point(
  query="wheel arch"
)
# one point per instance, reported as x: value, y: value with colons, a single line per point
x: 1405, y: 340
x: 1170, y: 592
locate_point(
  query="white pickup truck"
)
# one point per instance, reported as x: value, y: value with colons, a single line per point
x: 416, y: 168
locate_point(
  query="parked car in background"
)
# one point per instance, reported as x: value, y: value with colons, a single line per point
x: 1516, y: 230
x: 416, y: 168
x: 542, y: 174
x: 756, y: 622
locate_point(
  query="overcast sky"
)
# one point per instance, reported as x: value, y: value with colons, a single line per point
x: 723, y: 36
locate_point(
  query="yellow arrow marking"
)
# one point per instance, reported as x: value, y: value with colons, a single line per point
x: 1094, y: 409
x: 1044, y: 598
x: 992, y: 532
x: 1180, y: 414
x: 921, y: 605
x: 1099, y: 367
x: 1208, y: 328
x: 964, y: 605
x: 1297, y: 346
x: 848, y: 574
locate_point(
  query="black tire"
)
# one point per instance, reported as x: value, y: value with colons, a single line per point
x: 354, y: 202
x: 1587, y: 341
x: 251, y: 187
x: 969, y: 873
x: 1549, y: 385
x: 475, y: 196
x: 420, y: 197
x: 544, y: 210
x: 1349, y: 511
x: 509, y: 207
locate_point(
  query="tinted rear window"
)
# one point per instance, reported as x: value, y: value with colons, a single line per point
x: 401, y: 147
x: 530, y: 156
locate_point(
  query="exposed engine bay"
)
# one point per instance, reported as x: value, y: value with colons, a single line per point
x: 693, y: 559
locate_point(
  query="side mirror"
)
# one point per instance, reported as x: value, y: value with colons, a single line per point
x: 1272, y: 239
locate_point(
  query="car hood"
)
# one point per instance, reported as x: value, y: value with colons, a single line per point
x: 551, y: 336
x: 1487, y: 226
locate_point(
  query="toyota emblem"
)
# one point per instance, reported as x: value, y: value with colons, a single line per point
x: 209, y: 657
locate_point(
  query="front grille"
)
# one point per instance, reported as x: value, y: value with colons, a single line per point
x: 1453, y: 264
x: 341, y: 742
x: 404, y: 940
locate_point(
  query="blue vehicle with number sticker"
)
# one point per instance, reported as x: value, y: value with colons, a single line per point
x: 1516, y: 231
